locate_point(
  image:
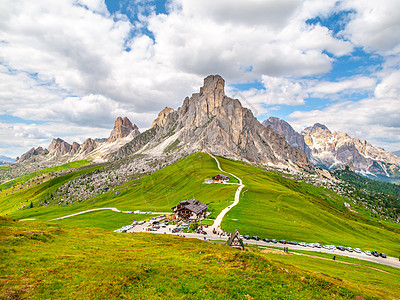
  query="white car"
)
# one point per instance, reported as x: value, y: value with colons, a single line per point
x: 358, y: 250
x: 303, y: 244
x: 367, y: 252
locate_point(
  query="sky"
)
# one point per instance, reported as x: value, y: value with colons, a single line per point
x: 69, y: 68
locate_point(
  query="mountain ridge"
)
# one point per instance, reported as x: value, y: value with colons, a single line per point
x: 334, y: 150
x: 209, y: 121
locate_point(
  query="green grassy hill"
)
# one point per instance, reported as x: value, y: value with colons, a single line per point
x: 47, y: 261
x: 270, y: 206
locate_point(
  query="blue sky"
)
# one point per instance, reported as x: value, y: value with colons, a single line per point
x: 68, y: 68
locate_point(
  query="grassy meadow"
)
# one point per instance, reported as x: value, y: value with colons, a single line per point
x: 47, y: 261
x: 25, y: 178
x: 270, y: 205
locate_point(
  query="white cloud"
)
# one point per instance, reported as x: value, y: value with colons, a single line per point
x: 67, y: 60
x: 375, y: 25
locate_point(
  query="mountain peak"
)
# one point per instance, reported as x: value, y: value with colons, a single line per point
x: 162, y: 117
x: 316, y: 129
x: 122, y: 128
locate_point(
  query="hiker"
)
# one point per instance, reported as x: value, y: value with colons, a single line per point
x: 334, y: 257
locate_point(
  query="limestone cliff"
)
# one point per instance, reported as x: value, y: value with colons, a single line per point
x: 122, y: 128
x: 211, y: 121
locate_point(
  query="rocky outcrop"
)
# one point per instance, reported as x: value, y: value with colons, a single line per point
x: 75, y: 148
x: 294, y: 138
x: 162, y: 117
x: 332, y: 150
x: 59, y: 147
x: 31, y: 153
x: 211, y: 121
x: 88, y: 146
x: 122, y: 128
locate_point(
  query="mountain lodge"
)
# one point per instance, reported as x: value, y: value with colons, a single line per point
x: 190, y: 210
x: 221, y: 178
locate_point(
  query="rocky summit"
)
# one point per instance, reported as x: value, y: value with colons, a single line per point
x: 122, y: 128
x: 294, y: 138
x: 337, y: 150
x: 211, y: 121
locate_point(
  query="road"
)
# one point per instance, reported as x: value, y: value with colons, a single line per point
x: 389, y: 261
x: 217, y: 223
x: 102, y: 208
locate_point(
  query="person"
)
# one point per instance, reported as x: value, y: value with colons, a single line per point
x: 334, y: 257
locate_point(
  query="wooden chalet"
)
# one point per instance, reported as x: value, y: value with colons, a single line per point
x: 221, y: 178
x: 190, y: 210
x: 235, y: 241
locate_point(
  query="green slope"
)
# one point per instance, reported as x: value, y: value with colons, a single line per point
x: 270, y: 205
x: 158, y: 192
x: 275, y: 207
x: 47, y: 261
x: 24, y: 178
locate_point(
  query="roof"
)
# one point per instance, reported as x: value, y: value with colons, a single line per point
x: 193, y: 205
x: 235, y: 240
x: 222, y: 176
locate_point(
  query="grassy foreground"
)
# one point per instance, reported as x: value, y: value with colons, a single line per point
x: 42, y: 261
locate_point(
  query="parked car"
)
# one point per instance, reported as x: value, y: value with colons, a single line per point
x: 383, y: 255
x: 303, y: 244
x: 317, y: 245
x: 274, y: 241
x: 292, y: 243
x: 266, y: 240
x: 175, y: 230
x: 310, y: 245
x: 349, y: 249
x: 326, y: 247
x: 341, y: 248
x: 282, y: 241
x: 255, y: 238
x: 367, y: 252
x: 247, y: 237
x: 357, y: 250
x: 375, y: 253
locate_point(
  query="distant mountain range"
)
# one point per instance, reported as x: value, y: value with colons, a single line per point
x: 397, y: 153
x: 6, y: 160
x: 96, y: 149
x: 332, y: 150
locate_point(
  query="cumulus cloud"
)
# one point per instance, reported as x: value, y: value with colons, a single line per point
x: 374, y: 25
x: 71, y: 61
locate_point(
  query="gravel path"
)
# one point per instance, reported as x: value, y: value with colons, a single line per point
x: 218, y: 220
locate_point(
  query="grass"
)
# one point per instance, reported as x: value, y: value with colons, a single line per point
x: 17, y: 201
x: 158, y: 192
x: 380, y: 281
x: 25, y: 178
x: 105, y: 219
x: 274, y: 207
x: 5, y: 167
x: 270, y: 205
x: 43, y: 261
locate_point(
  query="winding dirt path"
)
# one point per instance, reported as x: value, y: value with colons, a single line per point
x: 218, y: 220
x: 86, y: 211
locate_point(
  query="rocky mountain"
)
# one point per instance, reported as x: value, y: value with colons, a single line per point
x: 332, y: 150
x: 294, y: 138
x: 337, y: 150
x: 60, y: 151
x: 211, y: 121
x: 122, y: 128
